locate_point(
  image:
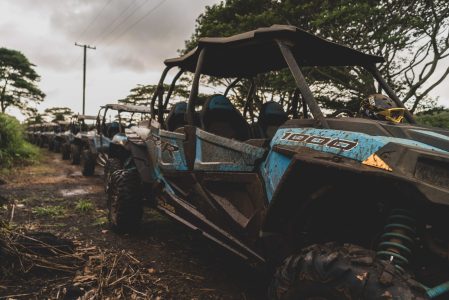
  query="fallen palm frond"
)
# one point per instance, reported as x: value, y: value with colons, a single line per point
x: 22, y: 252
x: 90, y: 273
x: 118, y: 275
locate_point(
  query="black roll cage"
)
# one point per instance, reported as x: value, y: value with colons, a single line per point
x: 307, y: 96
x: 101, y: 118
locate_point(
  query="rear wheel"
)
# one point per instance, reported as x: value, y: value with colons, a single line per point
x: 337, y: 272
x: 112, y: 164
x: 88, y: 162
x: 65, y: 151
x: 57, y: 146
x: 51, y: 145
x: 75, y: 154
x: 125, y: 205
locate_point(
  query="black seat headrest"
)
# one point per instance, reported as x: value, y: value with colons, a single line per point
x: 220, y: 117
x: 176, y: 116
x: 272, y: 115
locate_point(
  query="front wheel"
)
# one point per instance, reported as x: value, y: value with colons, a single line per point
x: 51, y: 145
x: 125, y: 205
x: 75, y: 154
x: 88, y: 162
x: 65, y: 151
x: 341, y: 272
x: 112, y: 164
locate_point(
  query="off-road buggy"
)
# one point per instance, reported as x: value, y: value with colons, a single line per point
x: 118, y: 135
x: 57, y: 139
x: 78, y: 127
x: 109, y: 136
x: 342, y: 207
x: 31, y: 132
x: 45, y: 135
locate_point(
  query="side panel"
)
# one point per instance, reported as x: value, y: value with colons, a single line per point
x: 215, y: 153
x: 170, y: 150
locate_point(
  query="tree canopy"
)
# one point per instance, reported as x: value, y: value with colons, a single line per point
x: 142, y: 94
x: 58, y: 113
x: 18, y: 82
x: 412, y: 36
x: 437, y: 117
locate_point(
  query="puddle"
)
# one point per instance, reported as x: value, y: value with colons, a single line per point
x: 75, y: 174
x: 74, y: 192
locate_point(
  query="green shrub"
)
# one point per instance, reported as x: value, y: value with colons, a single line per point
x: 49, y: 211
x: 437, y: 119
x: 84, y: 205
x: 13, y: 148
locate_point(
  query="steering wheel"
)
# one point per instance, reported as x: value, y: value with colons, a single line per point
x: 338, y: 112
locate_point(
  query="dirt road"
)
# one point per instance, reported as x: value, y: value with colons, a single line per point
x: 178, y: 264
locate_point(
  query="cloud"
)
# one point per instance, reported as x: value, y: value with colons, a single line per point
x: 134, y: 34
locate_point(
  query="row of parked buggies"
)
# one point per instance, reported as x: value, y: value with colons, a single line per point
x: 351, y: 205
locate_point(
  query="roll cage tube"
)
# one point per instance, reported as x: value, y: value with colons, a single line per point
x: 249, y: 99
x: 190, y: 115
x: 159, y: 92
x: 120, y: 128
x: 170, y: 90
x: 375, y: 72
x: 99, y: 121
x: 302, y: 84
x: 233, y: 84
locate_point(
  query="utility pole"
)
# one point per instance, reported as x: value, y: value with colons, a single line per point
x: 84, y: 72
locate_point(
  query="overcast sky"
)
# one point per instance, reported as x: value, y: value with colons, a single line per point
x: 132, y: 37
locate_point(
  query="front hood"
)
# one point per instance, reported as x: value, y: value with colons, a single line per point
x: 119, y: 138
x: 435, y: 137
x: 353, y: 145
x: 424, y: 166
x: 415, y: 134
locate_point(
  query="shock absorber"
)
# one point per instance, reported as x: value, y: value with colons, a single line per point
x: 398, y: 240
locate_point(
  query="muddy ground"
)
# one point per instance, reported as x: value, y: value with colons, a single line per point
x: 172, y: 261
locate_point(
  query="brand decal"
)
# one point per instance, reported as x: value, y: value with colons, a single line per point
x: 165, y: 146
x: 340, y: 144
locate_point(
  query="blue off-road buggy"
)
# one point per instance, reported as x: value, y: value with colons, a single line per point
x: 107, y: 139
x: 342, y: 207
x: 82, y: 129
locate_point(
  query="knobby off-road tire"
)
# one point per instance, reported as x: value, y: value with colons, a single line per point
x: 51, y: 145
x: 112, y: 164
x: 57, y: 146
x: 88, y: 163
x: 336, y: 272
x: 65, y: 151
x: 75, y: 154
x: 125, y: 205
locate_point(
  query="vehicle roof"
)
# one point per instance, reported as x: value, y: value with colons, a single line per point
x: 85, y: 117
x: 254, y: 52
x: 129, y: 108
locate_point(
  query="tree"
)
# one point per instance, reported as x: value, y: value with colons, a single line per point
x: 58, y: 113
x: 18, y: 82
x: 437, y: 117
x: 412, y: 36
x: 142, y: 94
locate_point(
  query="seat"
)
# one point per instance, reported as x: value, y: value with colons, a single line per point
x: 220, y: 117
x: 271, y: 116
x: 176, y: 117
x: 112, y: 129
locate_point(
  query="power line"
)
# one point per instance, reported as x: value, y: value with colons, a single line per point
x: 105, y: 29
x: 114, y: 29
x: 93, y: 19
x: 138, y: 21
